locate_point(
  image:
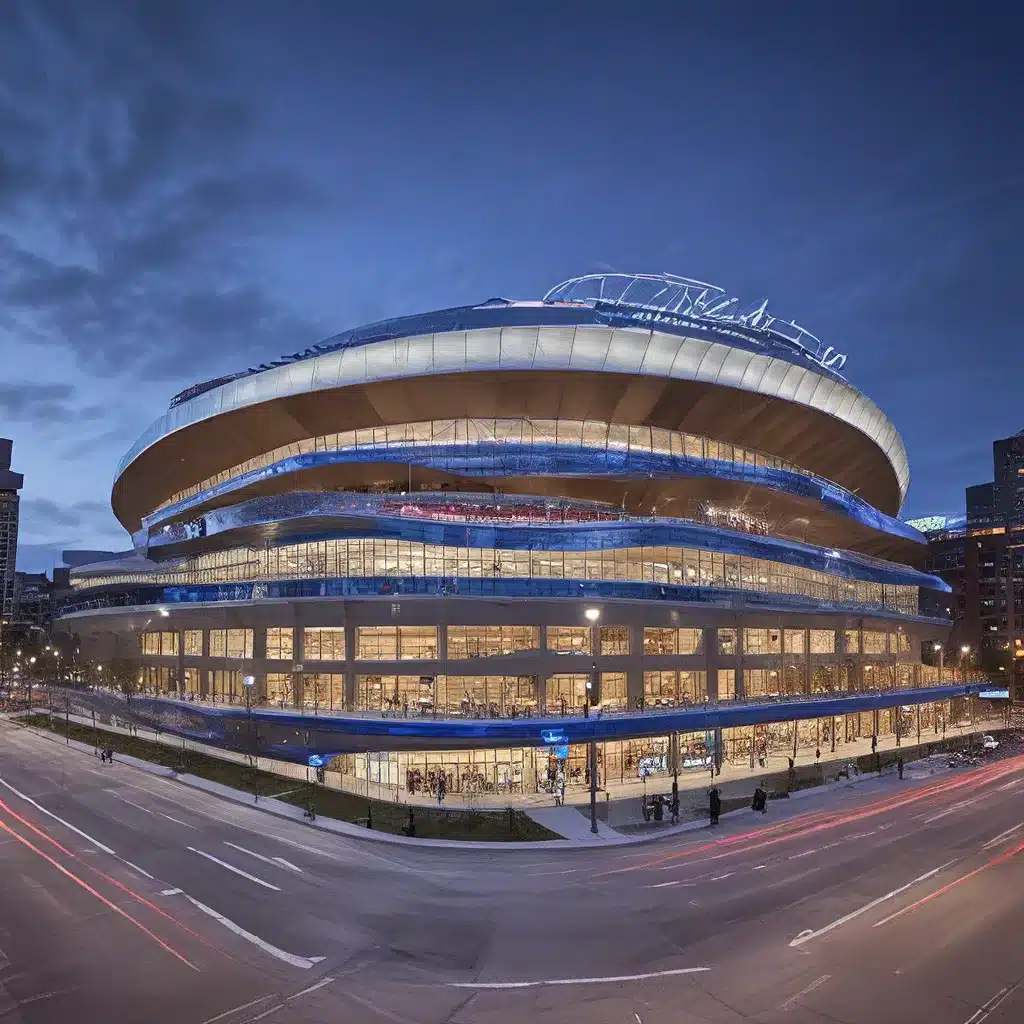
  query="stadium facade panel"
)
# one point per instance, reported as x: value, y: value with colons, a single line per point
x: 633, y: 494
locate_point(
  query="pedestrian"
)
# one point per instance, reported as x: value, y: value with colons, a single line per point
x: 874, y: 744
x: 817, y: 754
x: 899, y: 765
x: 442, y: 786
x: 714, y: 805
x: 760, y: 802
x: 674, y: 808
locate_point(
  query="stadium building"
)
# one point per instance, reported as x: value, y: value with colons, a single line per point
x: 633, y: 511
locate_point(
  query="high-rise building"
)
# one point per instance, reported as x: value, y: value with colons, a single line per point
x: 981, y: 556
x: 10, y: 484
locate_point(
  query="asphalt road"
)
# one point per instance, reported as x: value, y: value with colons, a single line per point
x: 127, y: 897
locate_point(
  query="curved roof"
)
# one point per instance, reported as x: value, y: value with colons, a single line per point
x: 669, y: 353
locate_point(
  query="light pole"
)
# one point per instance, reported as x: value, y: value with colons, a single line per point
x: 248, y: 682
x: 941, y: 652
x: 592, y: 615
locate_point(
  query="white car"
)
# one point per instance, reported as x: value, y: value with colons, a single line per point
x: 989, y: 743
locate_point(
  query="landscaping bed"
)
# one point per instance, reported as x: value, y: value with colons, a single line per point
x: 509, y: 825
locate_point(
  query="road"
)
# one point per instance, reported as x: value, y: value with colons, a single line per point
x: 124, y: 896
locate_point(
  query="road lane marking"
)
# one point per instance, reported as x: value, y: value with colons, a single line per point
x: 135, y: 867
x: 719, y: 878
x: 807, y: 853
x: 862, y: 835
x: 131, y: 803
x: 951, y: 885
x: 614, y: 980
x: 231, y: 867
x: 949, y: 810
x: 252, y: 853
x: 544, y: 874
x: 312, y: 988
x: 663, y: 885
x: 790, y: 1002
x: 810, y: 934
x: 1002, y: 835
x: 985, y: 1010
x: 305, y: 962
x: 66, y: 824
x: 169, y: 892
x: 237, y: 1009
x: 759, y: 867
x: 178, y: 821
x: 288, y: 864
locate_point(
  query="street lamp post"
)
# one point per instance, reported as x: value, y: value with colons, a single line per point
x: 941, y: 652
x: 592, y: 615
x: 249, y: 682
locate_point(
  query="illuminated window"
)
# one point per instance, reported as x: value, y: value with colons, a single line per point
x: 324, y: 644
x: 727, y: 642
x: 230, y: 643
x: 726, y: 682
x: 279, y: 689
x: 279, y: 643
x: 614, y: 640
x: 159, y: 644
x: 673, y: 641
x: 325, y: 690
x: 762, y: 641
x: 491, y: 641
x: 396, y: 643
x: 874, y: 642
x: 569, y: 639
x: 794, y: 641
x: 613, y: 689
x: 852, y: 641
x: 193, y: 643
x: 823, y: 641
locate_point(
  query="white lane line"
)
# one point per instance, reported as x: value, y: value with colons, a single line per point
x: 66, y: 824
x: 265, y: 1013
x: 1010, y: 785
x: 131, y: 803
x: 808, y: 935
x: 135, y: 867
x: 169, y: 892
x: 237, y: 1009
x: 665, y: 885
x: 862, y: 835
x: 759, y: 867
x: 305, y: 962
x: 1002, y: 835
x: 231, y: 867
x: 288, y: 864
x: 807, y: 853
x: 949, y: 810
x: 178, y: 821
x: 789, y: 1003
x: 577, y: 981
x: 544, y: 874
x: 252, y: 853
x: 985, y: 1010
x: 719, y: 878
x: 312, y: 988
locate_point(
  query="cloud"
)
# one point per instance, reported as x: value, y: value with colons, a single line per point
x: 43, y: 405
x: 41, y: 516
x: 128, y: 229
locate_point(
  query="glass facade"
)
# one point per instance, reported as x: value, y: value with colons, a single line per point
x: 231, y: 643
x: 357, y: 557
x: 158, y: 643
x: 280, y: 643
x: 324, y: 644
x: 491, y: 641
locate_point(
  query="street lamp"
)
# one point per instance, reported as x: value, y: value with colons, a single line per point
x: 249, y: 682
x: 592, y: 615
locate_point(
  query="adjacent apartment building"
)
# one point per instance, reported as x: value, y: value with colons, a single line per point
x: 10, y: 484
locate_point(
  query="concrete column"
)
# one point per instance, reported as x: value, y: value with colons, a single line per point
x: 741, y: 685
x: 350, y: 662
x: 259, y: 654
x: 635, y: 673
x: 711, y: 661
x: 181, y: 662
x: 298, y: 656
x: 204, y: 673
x: 542, y: 673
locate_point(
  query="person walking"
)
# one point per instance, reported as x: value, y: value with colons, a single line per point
x: 714, y: 805
x: 442, y: 787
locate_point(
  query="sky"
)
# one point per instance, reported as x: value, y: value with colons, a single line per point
x: 187, y: 189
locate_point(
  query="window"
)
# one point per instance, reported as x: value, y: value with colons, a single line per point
x: 323, y: 690
x: 569, y: 640
x: 566, y: 691
x: 762, y: 641
x: 614, y: 640
x: 613, y: 689
x: 192, y: 678
x: 726, y: 682
x: 159, y: 644
x: 673, y: 641
x: 279, y: 689
x: 231, y: 643
x: 491, y: 641
x: 396, y: 643
x: 726, y: 642
x: 324, y: 644
x: 874, y: 642
x: 226, y: 687
x: 851, y: 639
x: 279, y: 643
x: 794, y: 641
x: 670, y: 687
x: 193, y: 643
x: 823, y: 641
x: 488, y: 695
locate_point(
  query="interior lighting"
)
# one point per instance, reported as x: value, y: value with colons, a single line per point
x: 592, y: 614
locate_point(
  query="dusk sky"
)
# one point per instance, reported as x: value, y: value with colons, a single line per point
x: 190, y: 189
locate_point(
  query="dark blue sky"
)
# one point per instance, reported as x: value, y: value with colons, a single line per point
x: 188, y: 189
